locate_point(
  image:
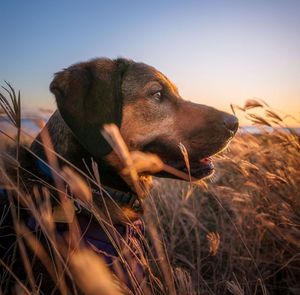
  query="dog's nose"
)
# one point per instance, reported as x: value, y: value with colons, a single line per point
x: 231, y: 123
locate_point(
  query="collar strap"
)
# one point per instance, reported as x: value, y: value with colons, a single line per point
x: 128, y: 199
x: 125, y: 199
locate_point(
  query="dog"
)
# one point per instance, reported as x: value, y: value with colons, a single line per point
x: 152, y: 118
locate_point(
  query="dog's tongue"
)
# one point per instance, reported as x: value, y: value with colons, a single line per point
x: 205, y: 161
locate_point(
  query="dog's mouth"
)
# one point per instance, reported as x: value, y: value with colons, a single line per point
x: 201, y: 168
x: 197, y: 165
x: 196, y: 169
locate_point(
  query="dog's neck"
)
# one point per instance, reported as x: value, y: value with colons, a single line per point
x: 67, y: 146
x: 62, y: 139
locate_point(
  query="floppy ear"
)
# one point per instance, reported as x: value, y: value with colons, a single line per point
x: 89, y: 95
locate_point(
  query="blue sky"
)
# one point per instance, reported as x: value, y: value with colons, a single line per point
x: 217, y: 52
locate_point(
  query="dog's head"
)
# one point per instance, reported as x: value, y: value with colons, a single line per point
x: 147, y: 107
x: 157, y: 119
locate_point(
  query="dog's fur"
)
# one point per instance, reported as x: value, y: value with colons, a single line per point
x: 148, y: 122
x: 152, y: 117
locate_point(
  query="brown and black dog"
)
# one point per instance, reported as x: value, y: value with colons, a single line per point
x: 147, y: 107
x: 151, y: 115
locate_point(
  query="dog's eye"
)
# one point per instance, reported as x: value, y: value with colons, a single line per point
x: 157, y: 96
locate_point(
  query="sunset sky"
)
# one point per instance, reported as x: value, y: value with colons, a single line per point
x: 217, y: 52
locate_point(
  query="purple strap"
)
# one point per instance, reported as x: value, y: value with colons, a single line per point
x: 127, y: 263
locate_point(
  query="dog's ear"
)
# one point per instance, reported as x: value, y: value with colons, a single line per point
x: 89, y: 95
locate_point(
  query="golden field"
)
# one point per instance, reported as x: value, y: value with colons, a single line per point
x: 235, y: 233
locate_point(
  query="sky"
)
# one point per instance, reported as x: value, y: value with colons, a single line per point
x: 217, y: 52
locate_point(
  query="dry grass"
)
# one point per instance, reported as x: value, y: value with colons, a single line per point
x: 243, y: 232
x: 240, y: 234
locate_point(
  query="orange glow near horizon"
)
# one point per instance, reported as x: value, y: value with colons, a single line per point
x: 217, y: 52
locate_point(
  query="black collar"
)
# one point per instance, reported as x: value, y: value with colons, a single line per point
x: 128, y: 199
x: 123, y: 199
